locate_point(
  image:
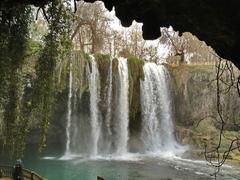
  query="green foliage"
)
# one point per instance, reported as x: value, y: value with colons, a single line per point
x: 34, y: 48
x: 79, y: 61
x: 86, y: 57
x: 79, y: 71
x: 57, y: 44
x: 102, y: 57
x: 13, y: 45
x: 19, y: 102
x: 135, y: 66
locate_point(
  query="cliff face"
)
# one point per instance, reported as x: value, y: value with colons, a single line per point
x: 194, y: 93
x: 194, y: 89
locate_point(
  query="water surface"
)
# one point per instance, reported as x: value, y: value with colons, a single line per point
x: 127, y: 167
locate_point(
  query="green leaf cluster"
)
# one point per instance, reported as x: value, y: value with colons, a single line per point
x: 14, y: 35
x: 28, y: 71
x: 57, y: 47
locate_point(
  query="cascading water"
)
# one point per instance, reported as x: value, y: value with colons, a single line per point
x: 69, y: 113
x: 157, y: 126
x: 108, y: 134
x: 94, y: 86
x: 122, y: 109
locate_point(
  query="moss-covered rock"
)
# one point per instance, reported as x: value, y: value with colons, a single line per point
x: 103, y: 61
x: 135, y: 71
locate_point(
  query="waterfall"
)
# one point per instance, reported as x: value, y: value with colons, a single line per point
x: 94, y: 86
x: 157, y: 126
x: 103, y: 130
x: 69, y: 113
x: 122, y: 108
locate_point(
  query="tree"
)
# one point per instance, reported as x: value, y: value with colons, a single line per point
x: 187, y: 48
x: 90, y: 27
x: 178, y: 44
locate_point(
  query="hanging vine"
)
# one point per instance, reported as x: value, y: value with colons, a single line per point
x: 56, y: 44
x: 227, y: 82
x: 14, y: 36
x: 20, y: 105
